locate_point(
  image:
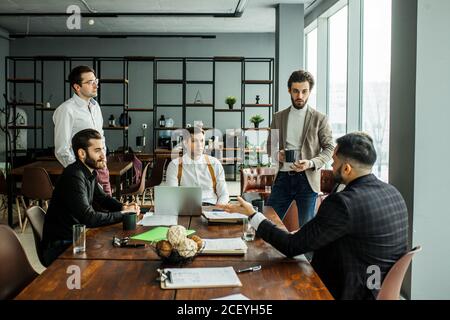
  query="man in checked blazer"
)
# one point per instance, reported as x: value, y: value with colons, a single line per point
x: 307, y: 131
x: 362, y: 228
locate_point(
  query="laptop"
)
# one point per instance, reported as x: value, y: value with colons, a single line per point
x: 181, y: 201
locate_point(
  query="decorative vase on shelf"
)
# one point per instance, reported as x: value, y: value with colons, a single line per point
x: 124, y: 121
x: 162, y: 122
x: 112, y: 121
x: 256, y: 124
x: 230, y: 106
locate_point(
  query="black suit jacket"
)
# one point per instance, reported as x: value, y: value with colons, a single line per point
x: 71, y: 203
x: 365, y: 224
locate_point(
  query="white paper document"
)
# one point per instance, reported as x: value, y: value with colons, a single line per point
x: 200, y: 278
x: 222, y: 215
x: 224, y: 246
x: 150, y: 220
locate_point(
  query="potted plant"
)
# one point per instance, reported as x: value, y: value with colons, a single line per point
x: 256, y: 120
x: 230, y: 101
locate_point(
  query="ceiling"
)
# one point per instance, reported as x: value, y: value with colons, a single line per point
x: 140, y: 17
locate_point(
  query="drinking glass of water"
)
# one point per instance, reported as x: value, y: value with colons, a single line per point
x: 79, y: 238
x: 248, y: 231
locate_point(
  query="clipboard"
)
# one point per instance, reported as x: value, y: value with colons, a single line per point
x: 192, y: 278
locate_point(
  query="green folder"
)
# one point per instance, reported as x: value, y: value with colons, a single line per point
x: 156, y: 234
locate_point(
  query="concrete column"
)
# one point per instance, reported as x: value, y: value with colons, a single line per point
x: 289, y: 48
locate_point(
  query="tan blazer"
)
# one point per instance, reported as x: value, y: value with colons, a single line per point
x: 317, y: 144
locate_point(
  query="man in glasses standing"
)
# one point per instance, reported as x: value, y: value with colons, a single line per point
x: 78, y: 113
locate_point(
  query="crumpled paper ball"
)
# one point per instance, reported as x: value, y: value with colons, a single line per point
x: 198, y: 240
x: 176, y: 235
x: 164, y: 247
x: 188, y: 248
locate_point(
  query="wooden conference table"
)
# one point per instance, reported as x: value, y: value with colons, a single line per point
x: 116, y: 170
x: 108, y: 272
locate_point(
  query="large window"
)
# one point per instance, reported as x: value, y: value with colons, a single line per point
x: 311, y: 62
x: 376, y: 79
x: 337, y: 85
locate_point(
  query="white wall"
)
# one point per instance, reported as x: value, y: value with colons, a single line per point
x: 431, y: 267
x: 247, y: 45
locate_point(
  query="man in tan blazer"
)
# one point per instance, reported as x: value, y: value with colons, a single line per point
x: 306, y: 131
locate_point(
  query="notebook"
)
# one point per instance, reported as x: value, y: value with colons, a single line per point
x: 224, y: 246
x: 183, y: 278
x: 223, y: 217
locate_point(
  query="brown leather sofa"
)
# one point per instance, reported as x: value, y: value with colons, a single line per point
x: 256, y: 179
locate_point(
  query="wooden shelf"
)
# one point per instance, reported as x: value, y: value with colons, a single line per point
x: 230, y: 160
x: 114, y: 105
x: 226, y: 58
x: 24, y: 80
x: 28, y: 104
x: 119, y: 81
x: 24, y: 127
x: 139, y: 58
x: 169, y: 81
x: 228, y: 110
x: 138, y: 109
x: 256, y: 129
x: 199, y: 105
x: 199, y: 82
x: 45, y: 109
x: 171, y: 128
x: 115, y: 128
x: 257, y: 81
x: 257, y: 105
x: 255, y: 151
x: 170, y: 105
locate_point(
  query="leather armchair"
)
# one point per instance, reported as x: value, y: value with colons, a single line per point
x: 256, y: 179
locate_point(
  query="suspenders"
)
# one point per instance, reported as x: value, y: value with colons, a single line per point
x: 210, y: 169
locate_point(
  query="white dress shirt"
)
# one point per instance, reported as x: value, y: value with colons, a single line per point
x: 70, y: 117
x: 294, y: 132
x: 196, y: 174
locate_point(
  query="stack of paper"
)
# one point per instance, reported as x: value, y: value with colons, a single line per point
x: 223, y: 217
x: 228, y: 246
x: 180, y: 278
x: 150, y: 220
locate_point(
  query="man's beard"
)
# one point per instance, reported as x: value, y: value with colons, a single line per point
x: 91, y: 163
x: 301, y: 106
x: 337, y: 176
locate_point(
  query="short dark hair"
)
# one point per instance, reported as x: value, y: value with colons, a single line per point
x: 75, y: 74
x: 81, y: 140
x: 301, y: 76
x: 357, y: 146
x: 195, y: 130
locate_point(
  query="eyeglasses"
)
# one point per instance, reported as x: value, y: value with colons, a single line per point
x: 91, y: 82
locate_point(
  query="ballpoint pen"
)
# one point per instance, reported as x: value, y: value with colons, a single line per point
x: 254, y: 268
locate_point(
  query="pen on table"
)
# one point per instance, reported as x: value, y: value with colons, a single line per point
x: 254, y: 268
